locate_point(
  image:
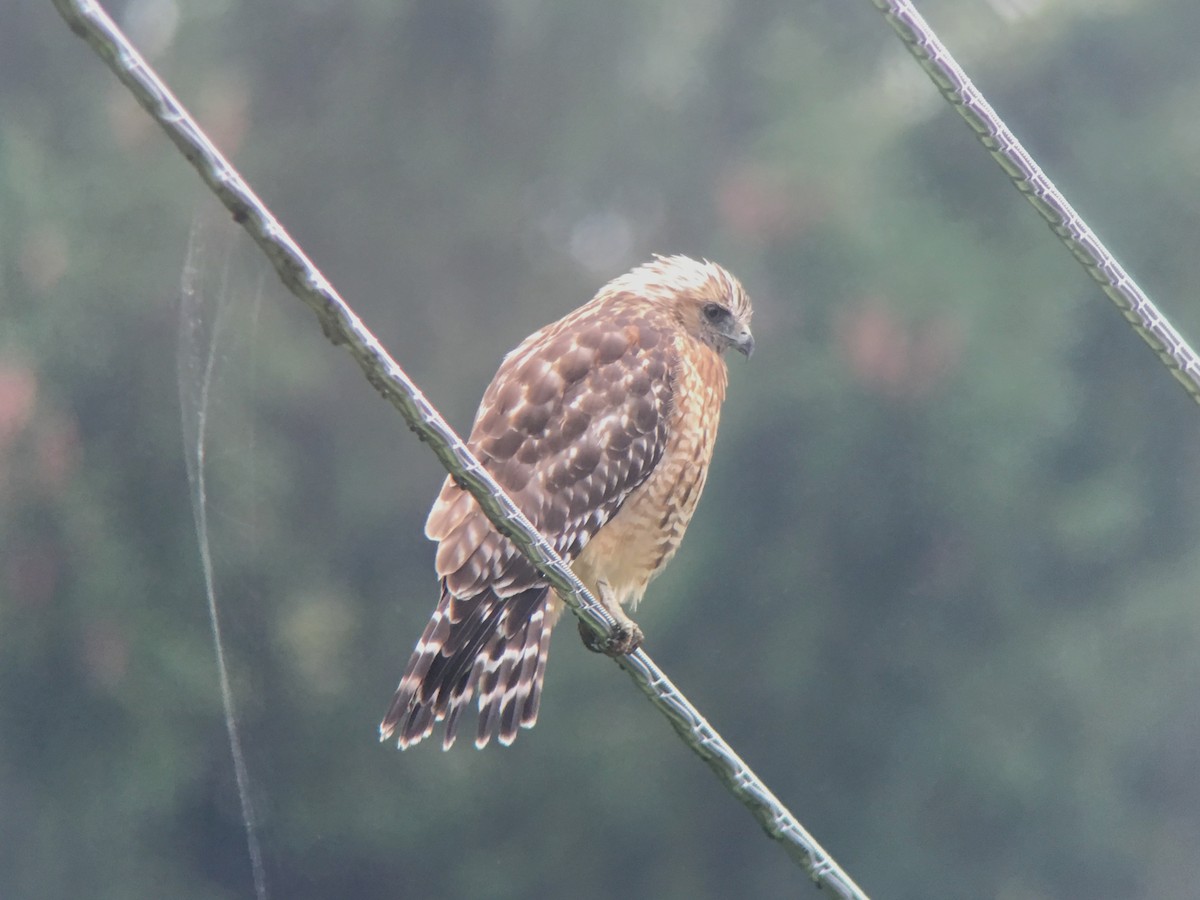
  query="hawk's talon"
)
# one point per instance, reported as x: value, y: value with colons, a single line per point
x: 621, y: 641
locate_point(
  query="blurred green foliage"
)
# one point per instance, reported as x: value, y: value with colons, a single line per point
x: 941, y: 592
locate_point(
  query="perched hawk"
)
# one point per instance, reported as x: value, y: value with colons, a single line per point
x: 600, y: 427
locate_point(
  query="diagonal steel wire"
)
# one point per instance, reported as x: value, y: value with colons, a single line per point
x: 1137, y: 308
x: 342, y: 326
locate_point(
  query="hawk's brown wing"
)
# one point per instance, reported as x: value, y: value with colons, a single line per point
x: 574, y: 421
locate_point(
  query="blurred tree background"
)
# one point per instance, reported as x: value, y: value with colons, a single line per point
x: 941, y: 593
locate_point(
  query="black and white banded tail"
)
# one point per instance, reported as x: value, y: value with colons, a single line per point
x: 492, y: 646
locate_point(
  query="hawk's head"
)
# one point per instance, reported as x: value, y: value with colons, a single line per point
x: 707, y: 301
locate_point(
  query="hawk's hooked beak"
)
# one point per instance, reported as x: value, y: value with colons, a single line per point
x: 743, y: 342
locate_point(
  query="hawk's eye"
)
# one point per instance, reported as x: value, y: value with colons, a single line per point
x: 715, y: 312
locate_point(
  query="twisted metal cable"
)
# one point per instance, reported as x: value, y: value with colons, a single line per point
x: 342, y: 326
x: 1137, y: 308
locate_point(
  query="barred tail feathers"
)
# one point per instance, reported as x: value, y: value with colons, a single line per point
x: 494, y: 645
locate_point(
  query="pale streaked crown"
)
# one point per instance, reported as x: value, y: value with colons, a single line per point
x: 707, y: 301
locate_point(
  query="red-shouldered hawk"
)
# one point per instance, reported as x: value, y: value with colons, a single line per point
x: 600, y: 427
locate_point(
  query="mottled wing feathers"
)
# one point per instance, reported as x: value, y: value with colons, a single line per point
x: 574, y: 421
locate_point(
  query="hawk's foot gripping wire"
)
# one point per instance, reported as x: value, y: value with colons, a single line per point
x: 625, y: 636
